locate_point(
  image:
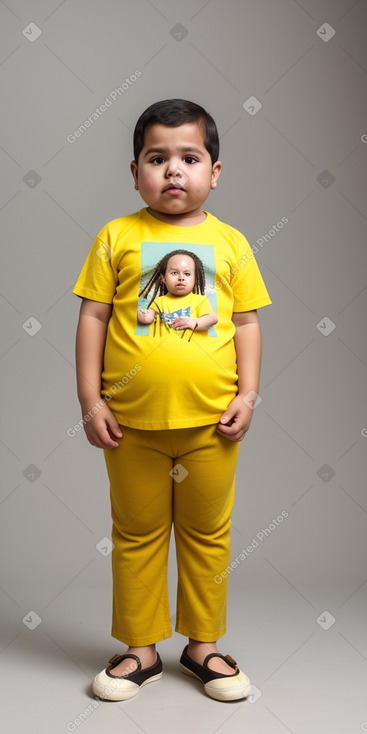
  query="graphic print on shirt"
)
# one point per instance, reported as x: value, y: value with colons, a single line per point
x: 176, y: 289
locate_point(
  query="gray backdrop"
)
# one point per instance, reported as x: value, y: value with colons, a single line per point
x: 286, y: 83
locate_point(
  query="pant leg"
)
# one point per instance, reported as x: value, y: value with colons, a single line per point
x: 141, y: 510
x: 202, y: 507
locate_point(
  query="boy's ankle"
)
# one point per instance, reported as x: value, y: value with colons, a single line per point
x: 146, y: 653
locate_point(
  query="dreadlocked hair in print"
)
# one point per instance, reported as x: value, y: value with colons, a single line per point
x: 160, y: 288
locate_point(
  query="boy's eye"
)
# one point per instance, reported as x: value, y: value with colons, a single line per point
x: 158, y: 159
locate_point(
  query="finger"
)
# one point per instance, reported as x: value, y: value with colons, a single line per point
x: 232, y: 437
x: 228, y: 427
x: 105, y: 441
x: 110, y: 444
x: 226, y: 418
x: 232, y: 430
x: 95, y: 440
x: 112, y: 425
x: 227, y: 437
x: 115, y: 430
x: 228, y: 433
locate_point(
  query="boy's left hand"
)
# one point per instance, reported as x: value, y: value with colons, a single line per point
x: 235, y: 421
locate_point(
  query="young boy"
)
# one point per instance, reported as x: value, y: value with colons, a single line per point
x: 174, y: 411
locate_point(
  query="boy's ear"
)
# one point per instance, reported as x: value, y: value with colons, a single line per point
x: 215, y: 174
x: 134, y: 171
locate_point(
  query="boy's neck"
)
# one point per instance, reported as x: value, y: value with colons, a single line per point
x: 180, y: 220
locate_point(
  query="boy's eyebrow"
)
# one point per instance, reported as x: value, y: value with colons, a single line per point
x: 183, y: 149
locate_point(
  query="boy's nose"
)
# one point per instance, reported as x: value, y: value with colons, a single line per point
x: 174, y: 170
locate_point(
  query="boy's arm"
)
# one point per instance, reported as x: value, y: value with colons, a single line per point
x: 90, y: 342
x: 247, y: 340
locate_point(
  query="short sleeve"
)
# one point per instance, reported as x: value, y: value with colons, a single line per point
x: 99, y: 276
x: 249, y: 290
x: 203, y: 307
x: 154, y: 306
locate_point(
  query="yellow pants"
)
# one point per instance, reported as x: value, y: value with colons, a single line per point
x: 184, y: 476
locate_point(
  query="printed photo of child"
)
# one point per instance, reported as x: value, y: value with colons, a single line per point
x: 179, y: 301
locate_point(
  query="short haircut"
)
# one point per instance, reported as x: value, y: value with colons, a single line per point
x: 175, y: 112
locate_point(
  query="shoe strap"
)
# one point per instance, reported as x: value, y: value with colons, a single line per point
x: 120, y: 658
x: 227, y: 658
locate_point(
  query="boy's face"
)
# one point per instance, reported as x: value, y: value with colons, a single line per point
x: 174, y: 173
x: 180, y: 275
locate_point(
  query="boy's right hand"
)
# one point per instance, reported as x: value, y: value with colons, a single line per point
x: 102, y: 428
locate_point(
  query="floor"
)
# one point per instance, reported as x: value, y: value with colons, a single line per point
x: 309, y: 672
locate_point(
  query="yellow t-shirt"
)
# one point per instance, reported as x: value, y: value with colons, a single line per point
x: 152, y: 380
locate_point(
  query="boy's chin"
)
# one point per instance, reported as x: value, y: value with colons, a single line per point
x: 174, y: 211
x: 171, y: 207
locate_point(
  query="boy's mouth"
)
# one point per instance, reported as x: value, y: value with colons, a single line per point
x: 173, y: 187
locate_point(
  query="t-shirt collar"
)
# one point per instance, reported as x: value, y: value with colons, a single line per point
x: 168, y: 227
